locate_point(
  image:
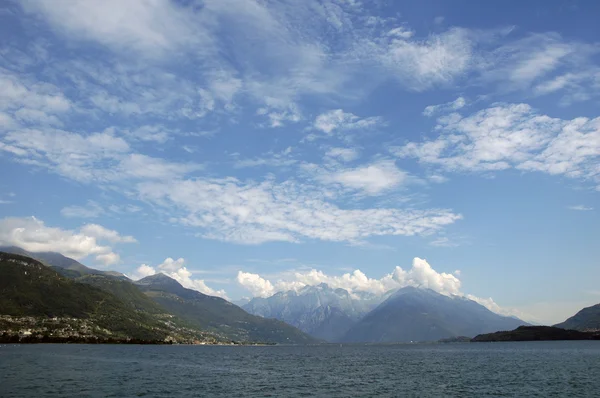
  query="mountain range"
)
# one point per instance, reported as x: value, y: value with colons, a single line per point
x: 418, y: 314
x: 54, y: 295
x: 320, y: 311
x: 154, y: 308
x: 405, y: 315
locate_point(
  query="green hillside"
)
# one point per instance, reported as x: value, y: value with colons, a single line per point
x: 586, y: 319
x: 218, y: 315
x: 34, y: 296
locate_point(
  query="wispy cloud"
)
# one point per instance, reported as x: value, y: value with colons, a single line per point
x: 580, y: 208
x: 455, y: 105
x: 91, y: 210
x: 253, y: 213
x: 337, y: 121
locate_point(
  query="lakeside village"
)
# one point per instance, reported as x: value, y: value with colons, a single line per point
x: 28, y: 329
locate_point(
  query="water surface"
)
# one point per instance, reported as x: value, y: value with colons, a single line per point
x: 541, y: 369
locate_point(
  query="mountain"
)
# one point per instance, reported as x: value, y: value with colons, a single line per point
x: 62, y: 264
x: 536, y: 333
x: 586, y: 319
x: 217, y: 315
x: 321, y: 311
x: 418, y: 314
x: 156, y: 303
x: 35, y: 297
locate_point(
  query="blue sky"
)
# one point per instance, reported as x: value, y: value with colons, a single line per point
x: 250, y: 147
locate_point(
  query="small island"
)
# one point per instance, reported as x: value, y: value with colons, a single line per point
x: 537, y: 333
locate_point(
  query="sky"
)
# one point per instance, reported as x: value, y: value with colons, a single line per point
x: 249, y: 147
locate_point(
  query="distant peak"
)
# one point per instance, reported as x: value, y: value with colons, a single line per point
x: 158, y: 279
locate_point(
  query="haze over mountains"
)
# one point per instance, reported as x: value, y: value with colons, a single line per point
x: 320, y: 311
x: 404, y: 315
x: 588, y: 319
x: 106, y: 304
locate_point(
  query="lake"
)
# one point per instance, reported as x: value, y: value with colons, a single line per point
x: 473, y: 369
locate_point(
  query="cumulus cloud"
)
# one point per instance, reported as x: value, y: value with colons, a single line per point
x: 33, y: 235
x: 143, y: 271
x: 259, y: 287
x: 177, y: 270
x: 420, y: 274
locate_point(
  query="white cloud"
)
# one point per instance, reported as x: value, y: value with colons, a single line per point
x: 253, y: 213
x: 150, y: 27
x: 343, y: 154
x: 108, y: 258
x: 545, y: 63
x: 258, y: 287
x: 34, y: 100
x: 99, y: 232
x: 91, y: 210
x: 143, y: 271
x: 99, y: 157
x: 152, y: 133
x: 443, y: 241
x: 69, y: 154
x: 438, y: 179
x: 512, y: 136
x: 457, y: 104
x: 113, y: 104
x: 171, y: 265
x: 33, y: 235
x: 421, y: 274
x: 144, y: 167
x: 421, y: 64
x: 272, y: 159
x: 177, y: 270
x: 338, y: 121
x: 401, y: 33
x: 581, y: 208
x: 371, y: 179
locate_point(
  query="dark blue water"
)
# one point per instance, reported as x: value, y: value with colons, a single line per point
x: 544, y: 369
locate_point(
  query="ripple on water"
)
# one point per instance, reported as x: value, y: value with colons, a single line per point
x: 501, y: 369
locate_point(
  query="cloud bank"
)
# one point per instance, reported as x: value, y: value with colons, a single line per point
x: 33, y: 235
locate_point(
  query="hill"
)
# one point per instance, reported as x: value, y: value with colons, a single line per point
x: 217, y: 315
x: 33, y: 295
x: 588, y: 319
x: 536, y: 333
x: 418, y: 314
